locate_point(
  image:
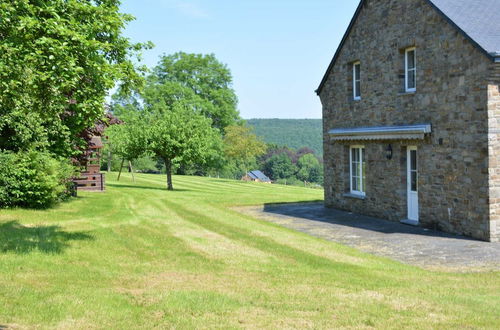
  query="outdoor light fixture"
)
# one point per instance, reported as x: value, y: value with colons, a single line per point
x: 388, y: 152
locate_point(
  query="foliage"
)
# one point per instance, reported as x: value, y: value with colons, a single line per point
x: 179, y: 115
x: 33, y: 179
x: 285, y: 165
x: 199, y: 81
x: 279, y: 167
x: 58, y: 59
x: 310, y: 170
x: 148, y: 164
x: 292, y: 133
x: 242, y: 146
x: 179, y: 136
x: 128, y: 141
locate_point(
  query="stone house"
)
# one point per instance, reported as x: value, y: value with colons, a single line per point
x: 411, y: 115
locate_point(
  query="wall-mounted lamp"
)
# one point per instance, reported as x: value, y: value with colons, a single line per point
x: 388, y: 152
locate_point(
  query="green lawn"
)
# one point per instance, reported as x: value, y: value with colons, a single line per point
x: 139, y: 256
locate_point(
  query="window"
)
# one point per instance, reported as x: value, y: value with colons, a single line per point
x: 358, y: 170
x: 356, y: 80
x: 410, y: 70
x: 413, y: 170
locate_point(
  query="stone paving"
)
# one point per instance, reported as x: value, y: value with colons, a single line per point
x: 412, y: 245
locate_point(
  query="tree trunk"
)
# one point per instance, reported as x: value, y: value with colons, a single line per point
x: 168, y: 166
x: 121, y: 166
x: 131, y: 170
x: 109, y: 161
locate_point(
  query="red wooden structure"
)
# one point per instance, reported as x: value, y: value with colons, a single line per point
x: 91, y: 178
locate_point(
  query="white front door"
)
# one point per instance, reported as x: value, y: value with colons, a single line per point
x: 412, y: 176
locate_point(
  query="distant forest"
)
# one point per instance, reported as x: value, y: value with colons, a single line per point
x: 293, y: 133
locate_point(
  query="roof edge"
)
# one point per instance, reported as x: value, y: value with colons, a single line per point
x: 492, y: 57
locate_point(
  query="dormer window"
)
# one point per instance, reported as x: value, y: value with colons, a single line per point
x: 356, y: 80
x: 411, y: 69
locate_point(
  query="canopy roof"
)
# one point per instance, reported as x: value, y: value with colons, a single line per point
x: 407, y: 132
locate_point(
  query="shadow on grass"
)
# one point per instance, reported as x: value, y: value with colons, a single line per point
x: 16, y: 238
x: 317, y: 212
x: 129, y: 186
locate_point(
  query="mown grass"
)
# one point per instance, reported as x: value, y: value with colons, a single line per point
x: 139, y: 256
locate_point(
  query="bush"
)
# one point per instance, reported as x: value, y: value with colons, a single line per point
x: 33, y: 179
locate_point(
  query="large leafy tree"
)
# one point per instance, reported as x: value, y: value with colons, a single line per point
x: 58, y: 59
x: 200, y: 81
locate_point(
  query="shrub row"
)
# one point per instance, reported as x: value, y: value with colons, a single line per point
x: 33, y: 179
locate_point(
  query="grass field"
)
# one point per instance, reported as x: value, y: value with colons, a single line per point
x: 139, y: 256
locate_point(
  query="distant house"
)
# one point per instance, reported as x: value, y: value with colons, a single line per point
x: 411, y: 115
x: 256, y: 176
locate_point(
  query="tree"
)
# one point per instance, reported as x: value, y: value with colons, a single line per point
x: 273, y: 149
x: 241, y: 145
x: 198, y: 80
x: 179, y: 135
x: 58, y: 59
x: 279, y: 167
x: 309, y: 168
x: 129, y: 140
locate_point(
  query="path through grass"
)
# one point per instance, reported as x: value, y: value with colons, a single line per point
x: 139, y: 256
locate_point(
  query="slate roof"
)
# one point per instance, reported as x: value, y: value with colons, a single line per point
x: 478, y: 20
x: 258, y: 175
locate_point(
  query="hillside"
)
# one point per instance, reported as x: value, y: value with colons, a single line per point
x: 293, y: 133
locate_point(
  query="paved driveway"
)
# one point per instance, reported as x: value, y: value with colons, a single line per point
x: 412, y: 245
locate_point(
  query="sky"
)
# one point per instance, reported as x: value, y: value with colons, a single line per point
x: 277, y: 50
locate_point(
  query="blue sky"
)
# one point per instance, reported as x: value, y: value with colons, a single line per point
x: 277, y: 50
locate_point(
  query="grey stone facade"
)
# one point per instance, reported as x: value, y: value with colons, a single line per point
x: 457, y: 92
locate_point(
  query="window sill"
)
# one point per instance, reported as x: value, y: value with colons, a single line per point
x: 355, y: 196
x: 407, y: 93
x: 357, y: 99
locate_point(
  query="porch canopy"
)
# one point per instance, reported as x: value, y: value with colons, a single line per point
x: 407, y: 132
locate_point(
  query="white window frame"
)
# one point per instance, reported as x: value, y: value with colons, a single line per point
x: 361, y: 183
x: 354, y: 81
x: 407, y: 69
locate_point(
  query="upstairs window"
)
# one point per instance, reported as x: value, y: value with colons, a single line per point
x: 358, y: 169
x: 356, y: 80
x: 411, y: 69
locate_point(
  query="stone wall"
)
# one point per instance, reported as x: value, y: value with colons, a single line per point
x: 452, y: 95
x: 494, y: 150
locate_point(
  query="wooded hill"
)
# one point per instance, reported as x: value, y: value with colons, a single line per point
x: 293, y: 133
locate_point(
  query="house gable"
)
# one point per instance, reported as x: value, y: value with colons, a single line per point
x: 368, y: 141
x: 479, y: 29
